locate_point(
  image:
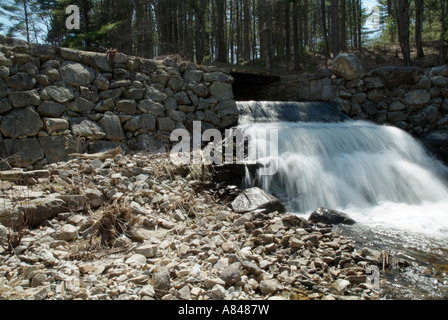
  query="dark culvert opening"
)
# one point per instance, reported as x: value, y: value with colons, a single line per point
x: 249, y: 86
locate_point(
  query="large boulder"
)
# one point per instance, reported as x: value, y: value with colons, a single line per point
x: 21, y: 81
x: 348, y: 66
x: 330, y: 217
x: 76, y: 74
x: 24, y: 152
x: 112, y: 127
x: 257, y: 199
x: 393, y: 76
x: 21, y: 123
x: 419, y: 97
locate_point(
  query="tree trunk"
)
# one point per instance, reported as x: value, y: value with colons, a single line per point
x: 221, y: 42
x: 287, y: 31
x: 444, y: 31
x: 324, y: 27
x: 335, y: 27
x: 419, y: 7
x: 295, y: 26
x: 403, y: 30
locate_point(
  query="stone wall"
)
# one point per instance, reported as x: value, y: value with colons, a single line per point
x: 56, y: 101
x: 411, y: 98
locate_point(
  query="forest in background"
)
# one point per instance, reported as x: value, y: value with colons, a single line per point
x: 255, y: 32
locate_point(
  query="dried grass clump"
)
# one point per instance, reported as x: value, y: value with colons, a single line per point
x: 114, y: 221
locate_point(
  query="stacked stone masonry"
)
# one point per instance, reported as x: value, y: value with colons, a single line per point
x: 411, y: 98
x: 57, y: 101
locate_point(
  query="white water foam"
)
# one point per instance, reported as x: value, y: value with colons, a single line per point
x: 380, y: 175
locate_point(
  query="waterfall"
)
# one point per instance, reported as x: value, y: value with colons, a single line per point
x: 380, y: 175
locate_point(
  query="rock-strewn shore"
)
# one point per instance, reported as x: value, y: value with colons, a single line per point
x: 139, y: 228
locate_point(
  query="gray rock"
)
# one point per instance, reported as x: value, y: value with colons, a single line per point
x: 396, y: 116
x: 341, y: 285
x: 51, y: 109
x: 161, y: 281
x: 221, y: 91
x: 83, y: 127
x: 44, y: 52
x: 199, y: 89
x: 151, y: 107
x: 182, y: 98
x: 373, y: 83
x: 55, y: 124
x: 81, y: 105
x: 178, y: 116
x: 330, y: 217
x: 440, y: 71
x: 394, y: 76
x: 4, y: 72
x: 134, y: 94
x: 419, y: 97
x: 348, y: 66
x: 68, y: 232
x: 101, y: 81
x: 269, y: 286
x: 440, y: 82
x: 397, y: 106
x: 21, y: 81
x: 23, y: 99
x: 127, y: 106
x: 3, y: 89
x: 112, y: 127
x: 23, y: 152
x: 70, y: 54
x: 147, y: 250
x: 256, y: 199
x: 76, y: 74
x: 175, y: 83
x: 100, y: 63
x: 193, y: 76
x: 60, y: 94
x: 377, y: 95
x: 105, y: 105
x: 228, y: 107
x: 136, y: 260
x: 21, y: 123
x: 155, y: 95
x: 160, y: 76
x: 5, y: 105
x: 145, y: 142
x: 111, y: 94
x: 57, y: 148
x: 218, y: 77
x: 231, y: 274
x: 166, y: 124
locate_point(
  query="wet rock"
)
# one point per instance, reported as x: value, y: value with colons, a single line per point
x: 257, y: 199
x: 330, y: 217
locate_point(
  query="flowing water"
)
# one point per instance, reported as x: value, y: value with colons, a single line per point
x: 380, y: 176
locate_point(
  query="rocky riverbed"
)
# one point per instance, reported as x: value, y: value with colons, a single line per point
x: 138, y: 227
